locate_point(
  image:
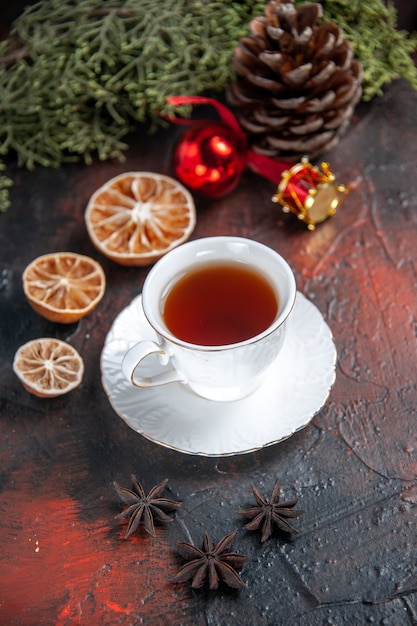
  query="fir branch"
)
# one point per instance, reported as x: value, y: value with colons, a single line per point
x: 95, y: 70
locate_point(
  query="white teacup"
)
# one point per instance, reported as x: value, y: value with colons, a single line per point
x: 223, y: 372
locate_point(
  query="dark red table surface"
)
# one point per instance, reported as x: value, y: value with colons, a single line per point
x: 63, y: 559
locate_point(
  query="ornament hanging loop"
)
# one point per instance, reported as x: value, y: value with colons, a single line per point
x: 223, y: 112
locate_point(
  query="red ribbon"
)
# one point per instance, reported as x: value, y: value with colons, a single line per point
x: 258, y: 163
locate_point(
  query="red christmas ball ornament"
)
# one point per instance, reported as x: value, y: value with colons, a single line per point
x: 209, y: 159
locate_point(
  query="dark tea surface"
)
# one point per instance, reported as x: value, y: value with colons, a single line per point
x: 219, y: 304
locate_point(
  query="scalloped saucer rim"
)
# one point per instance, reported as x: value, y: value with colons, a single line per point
x: 296, y: 387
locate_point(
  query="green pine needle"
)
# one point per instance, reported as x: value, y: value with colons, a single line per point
x: 96, y: 69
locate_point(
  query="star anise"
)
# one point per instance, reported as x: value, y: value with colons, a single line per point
x: 145, y: 508
x: 266, y: 513
x: 212, y: 563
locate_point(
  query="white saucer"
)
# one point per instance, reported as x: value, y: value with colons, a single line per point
x: 295, y: 388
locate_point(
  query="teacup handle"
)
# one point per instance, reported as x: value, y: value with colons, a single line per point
x: 134, y: 358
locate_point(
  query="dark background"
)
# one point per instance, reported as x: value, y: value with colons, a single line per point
x: 63, y: 559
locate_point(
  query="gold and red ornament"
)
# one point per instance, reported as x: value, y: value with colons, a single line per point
x: 310, y: 192
x: 210, y: 157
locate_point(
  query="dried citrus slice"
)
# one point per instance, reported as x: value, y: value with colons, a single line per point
x: 64, y: 286
x: 136, y: 217
x: 48, y: 367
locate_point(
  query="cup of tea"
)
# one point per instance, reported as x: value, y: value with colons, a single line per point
x: 219, y: 308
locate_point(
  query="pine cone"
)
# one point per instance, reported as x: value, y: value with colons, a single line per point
x: 297, y: 82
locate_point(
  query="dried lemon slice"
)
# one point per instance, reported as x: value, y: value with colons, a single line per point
x: 136, y: 217
x: 48, y: 367
x: 64, y: 286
